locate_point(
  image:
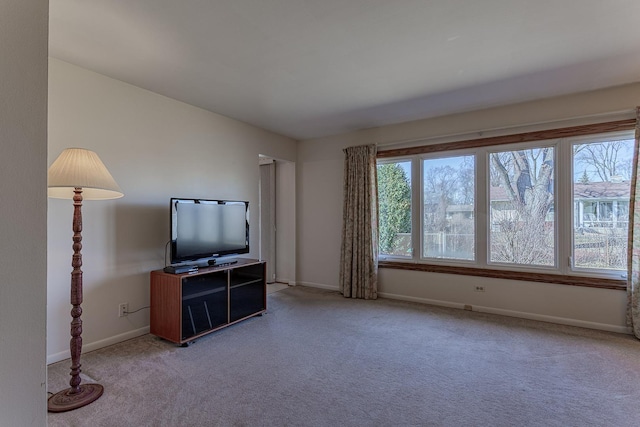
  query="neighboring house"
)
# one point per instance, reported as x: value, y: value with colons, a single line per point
x: 601, y: 217
x: 596, y: 204
x: 601, y: 204
x: 460, y: 212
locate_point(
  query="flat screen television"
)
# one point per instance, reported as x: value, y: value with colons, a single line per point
x: 203, y: 228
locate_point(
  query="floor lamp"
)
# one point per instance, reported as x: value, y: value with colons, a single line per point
x: 76, y: 174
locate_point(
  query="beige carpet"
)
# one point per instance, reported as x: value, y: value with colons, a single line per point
x: 318, y: 359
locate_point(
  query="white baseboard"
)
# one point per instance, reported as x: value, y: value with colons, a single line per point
x: 421, y: 300
x: 513, y: 313
x: 491, y: 310
x: 319, y: 286
x: 555, y: 319
x: 53, y: 358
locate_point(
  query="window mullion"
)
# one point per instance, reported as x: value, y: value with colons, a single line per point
x: 482, y: 215
x: 417, y: 208
x: 564, y: 205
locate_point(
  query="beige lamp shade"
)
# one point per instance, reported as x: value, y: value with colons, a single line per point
x: 80, y: 168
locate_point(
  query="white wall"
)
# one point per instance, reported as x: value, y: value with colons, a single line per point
x: 155, y: 148
x: 23, y: 211
x: 319, y: 204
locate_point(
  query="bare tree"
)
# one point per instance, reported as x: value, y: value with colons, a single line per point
x: 449, y: 232
x: 439, y: 186
x: 605, y: 159
x: 519, y: 232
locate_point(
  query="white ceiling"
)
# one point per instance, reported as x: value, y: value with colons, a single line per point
x: 310, y: 68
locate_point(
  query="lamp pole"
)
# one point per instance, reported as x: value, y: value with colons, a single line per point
x: 79, y: 174
x: 77, y: 395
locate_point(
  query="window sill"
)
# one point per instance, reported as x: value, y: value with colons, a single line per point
x: 589, y: 282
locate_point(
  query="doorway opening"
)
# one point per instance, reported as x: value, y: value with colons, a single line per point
x: 277, y: 220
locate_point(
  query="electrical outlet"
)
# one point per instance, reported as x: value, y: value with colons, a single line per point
x: 479, y: 288
x: 123, y: 309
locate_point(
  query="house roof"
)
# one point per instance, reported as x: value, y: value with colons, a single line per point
x: 602, y: 190
x: 592, y: 190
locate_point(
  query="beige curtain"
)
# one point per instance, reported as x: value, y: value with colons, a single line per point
x: 359, y: 252
x: 633, y: 281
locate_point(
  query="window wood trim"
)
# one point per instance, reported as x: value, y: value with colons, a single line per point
x: 619, y: 125
x: 590, y: 282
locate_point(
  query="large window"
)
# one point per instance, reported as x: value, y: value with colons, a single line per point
x: 449, y: 221
x: 394, y: 208
x: 556, y: 205
x: 601, y: 192
x: 520, y: 197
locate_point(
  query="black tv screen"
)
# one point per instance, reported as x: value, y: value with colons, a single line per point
x: 203, y: 228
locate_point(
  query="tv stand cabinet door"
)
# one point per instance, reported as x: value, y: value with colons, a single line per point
x: 166, y: 305
x: 247, y: 291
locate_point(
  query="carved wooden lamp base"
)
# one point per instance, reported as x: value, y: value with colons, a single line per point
x: 65, y: 400
x: 73, y: 170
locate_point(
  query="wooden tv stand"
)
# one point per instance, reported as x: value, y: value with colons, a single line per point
x: 190, y: 305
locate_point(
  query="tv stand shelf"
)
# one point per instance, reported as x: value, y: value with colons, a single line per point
x: 190, y: 305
